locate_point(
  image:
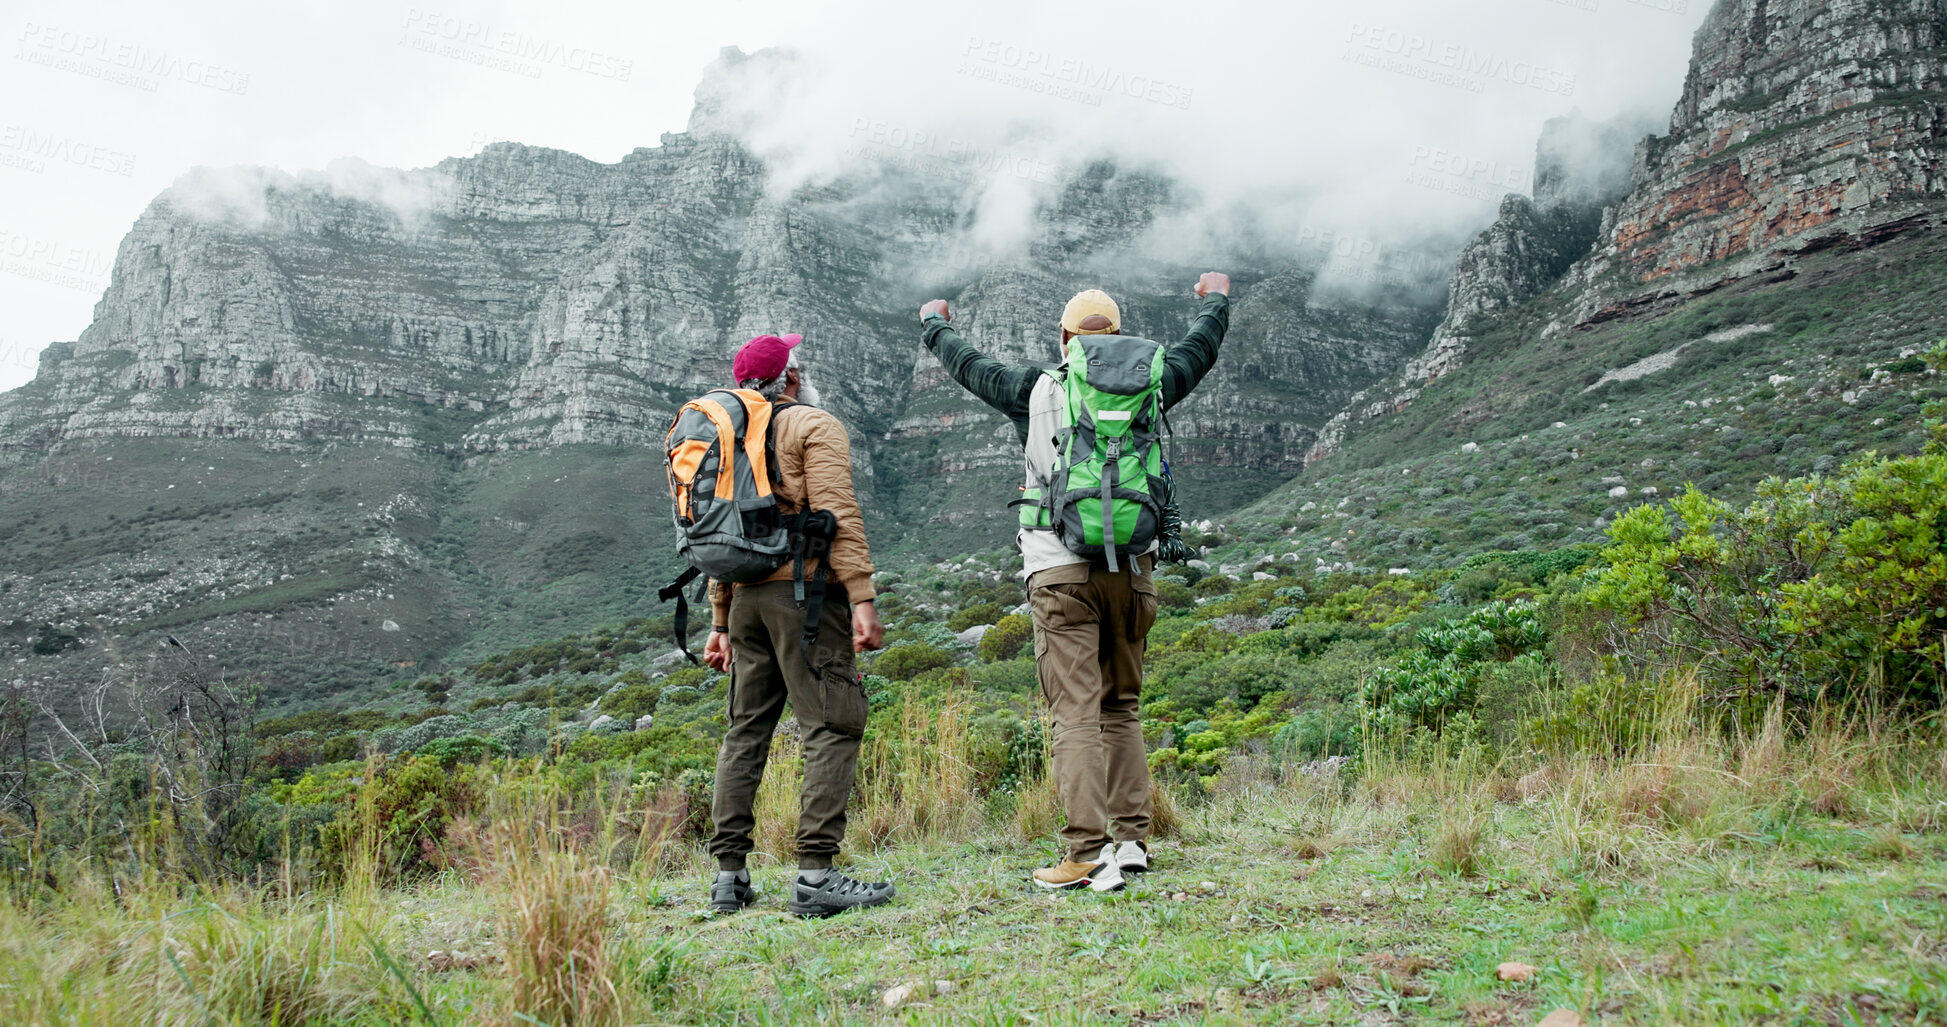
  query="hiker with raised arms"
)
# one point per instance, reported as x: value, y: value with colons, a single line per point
x: 1095, y: 510
x: 762, y: 484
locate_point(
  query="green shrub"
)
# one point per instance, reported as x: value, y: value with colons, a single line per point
x: 1006, y: 750
x: 1610, y: 714
x: 461, y: 749
x: 974, y: 616
x: 905, y: 662
x: 1018, y: 676
x: 636, y: 697
x: 1006, y: 639
x: 1331, y: 730
x: 1819, y: 585
x: 1174, y: 595
x: 403, y: 808
x: 1443, y: 679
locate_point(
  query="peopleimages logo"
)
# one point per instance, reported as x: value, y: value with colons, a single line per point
x: 120, y: 62
x: 1052, y: 72
x: 428, y: 31
x: 927, y: 152
x: 49, y: 146
x: 1458, y: 174
x: 1448, y: 64
x: 53, y: 262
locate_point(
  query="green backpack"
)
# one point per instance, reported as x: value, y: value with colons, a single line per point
x: 1109, y: 491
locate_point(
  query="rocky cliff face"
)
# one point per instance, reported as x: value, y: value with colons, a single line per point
x: 1803, y: 125
x: 1581, y: 166
x: 400, y: 414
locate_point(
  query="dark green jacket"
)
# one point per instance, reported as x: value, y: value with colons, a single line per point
x: 1007, y: 387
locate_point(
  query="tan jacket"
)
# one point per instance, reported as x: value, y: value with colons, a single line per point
x: 814, y: 464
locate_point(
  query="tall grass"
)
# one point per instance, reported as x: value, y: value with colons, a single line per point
x: 549, y: 872
x: 554, y: 920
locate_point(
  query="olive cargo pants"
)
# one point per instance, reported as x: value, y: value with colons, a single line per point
x: 1090, y: 631
x: 767, y: 667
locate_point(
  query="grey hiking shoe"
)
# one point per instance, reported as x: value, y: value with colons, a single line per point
x: 836, y: 893
x: 731, y: 891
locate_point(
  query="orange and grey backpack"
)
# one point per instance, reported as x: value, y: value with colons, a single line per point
x: 723, y: 475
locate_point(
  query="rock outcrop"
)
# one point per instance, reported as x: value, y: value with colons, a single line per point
x: 1581, y: 166
x: 394, y: 416
x: 1803, y: 125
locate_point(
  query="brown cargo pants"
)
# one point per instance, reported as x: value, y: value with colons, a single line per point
x: 767, y: 667
x: 1090, y: 631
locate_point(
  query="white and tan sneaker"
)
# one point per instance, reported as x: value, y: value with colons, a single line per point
x: 1102, y: 874
x: 1132, y: 857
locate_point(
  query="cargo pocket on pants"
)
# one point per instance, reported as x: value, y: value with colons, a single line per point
x: 846, y: 709
x: 1143, y: 614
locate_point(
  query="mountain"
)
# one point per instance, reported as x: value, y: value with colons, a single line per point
x: 1749, y: 303
x: 336, y: 426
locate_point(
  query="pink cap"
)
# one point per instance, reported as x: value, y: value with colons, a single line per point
x: 763, y: 357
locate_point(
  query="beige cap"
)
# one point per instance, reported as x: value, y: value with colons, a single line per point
x: 1091, y: 308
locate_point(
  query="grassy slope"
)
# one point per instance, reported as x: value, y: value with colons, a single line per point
x: 1414, y: 499
x: 1690, y: 886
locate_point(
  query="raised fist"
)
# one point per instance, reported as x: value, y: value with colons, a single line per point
x: 1213, y: 281
x: 935, y: 307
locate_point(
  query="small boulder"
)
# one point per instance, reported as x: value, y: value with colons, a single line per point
x: 1202, y: 565
x: 1470, y: 447
x: 898, y: 995
x: 642, y: 723
x: 973, y: 635
x: 1563, y: 1018
x: 1261, y: 576
x: 1618, y: 492
x: 606, y: 725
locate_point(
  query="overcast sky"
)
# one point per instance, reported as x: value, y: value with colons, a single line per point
x: 1382, y: 115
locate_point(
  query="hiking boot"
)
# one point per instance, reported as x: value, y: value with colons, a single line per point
x: 831, y: 892
x: 1132, y: 858
x: 731, y: 891
x: 1102, y: 875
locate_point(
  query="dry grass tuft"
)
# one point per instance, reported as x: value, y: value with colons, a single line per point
x: 554, y: 926
x: 1165, y: 820
x: 1457, y: 843
x: 1037, y: 811
x: 916, y: 782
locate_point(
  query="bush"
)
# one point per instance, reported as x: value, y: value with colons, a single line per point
x: 1174, y: 595
x: 462, y: 749
x: 1315, y: 734
x: 974, y: 616
x: 400, y: 816
x: 905, y: 662
x: 1819, y: 584
x: 636, y: 697
x: 1443, y: 680
x: 1006, y: 639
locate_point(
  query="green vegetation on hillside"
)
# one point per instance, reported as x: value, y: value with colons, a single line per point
x: 1372, y: 789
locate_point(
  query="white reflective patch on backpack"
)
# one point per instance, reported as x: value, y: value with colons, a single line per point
x: 1114, y: 415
